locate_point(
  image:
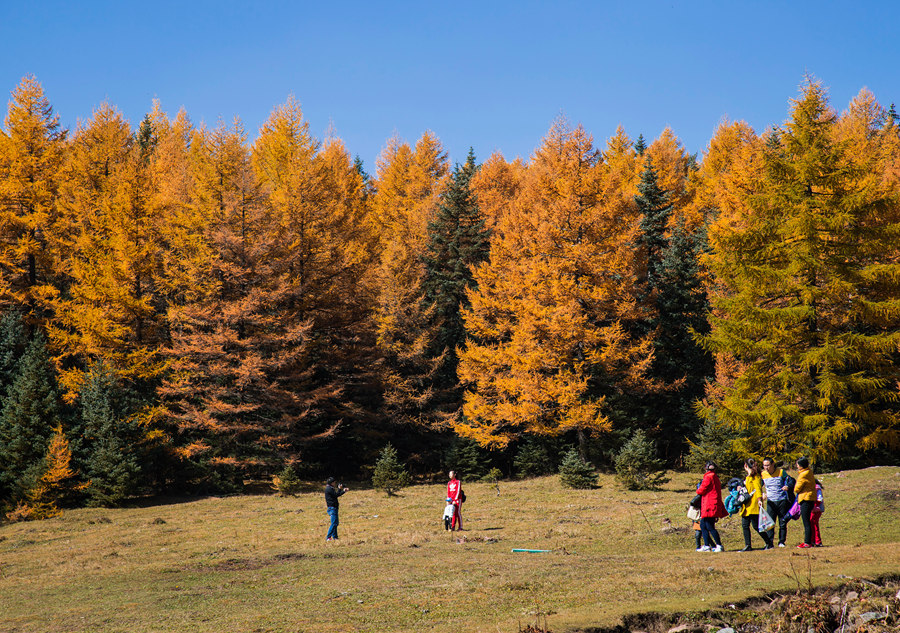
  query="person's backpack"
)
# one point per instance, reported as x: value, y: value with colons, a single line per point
x: 734, y: 502
x: 790, y: 482
x: 462, y: 496
x: 738, y: 496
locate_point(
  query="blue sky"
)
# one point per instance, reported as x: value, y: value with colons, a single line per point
x: 493, y: 75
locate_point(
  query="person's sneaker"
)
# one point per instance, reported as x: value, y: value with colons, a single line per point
x: 781, y: 545
x: 718, y: 548
x: 769, y: 547
x: 803, y: 546
x: 746, y: 549
x: 818, y: 545
x: 705, y: 548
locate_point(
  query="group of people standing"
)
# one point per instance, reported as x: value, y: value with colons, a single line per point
x: 452, y: 513
x: 769, y: 490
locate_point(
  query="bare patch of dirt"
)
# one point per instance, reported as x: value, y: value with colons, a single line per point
x: 857, y: 606
x: 246, y: 564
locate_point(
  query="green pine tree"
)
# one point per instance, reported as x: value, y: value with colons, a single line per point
x: 458, y: 240
x: 715, y: 441
x: 810, y: 301
x: 637, y: 467
x: 532, y: 459
x: 672, y: 305
x: 107, y: 444
x: 682, y: 313
x: 368, y: 187
x: 654, y: 206
x: 640, y: 146
x: 13, y: 341
x: 575, y: 472
x: 390, y: 475
x: 468, y: 458
x: 30, y: 412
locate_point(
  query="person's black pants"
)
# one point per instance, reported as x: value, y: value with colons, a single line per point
x: 778, y: 510
x: 805, y: 514
x: 753, y: 519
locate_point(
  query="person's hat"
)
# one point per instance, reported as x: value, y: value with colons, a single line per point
x: 449, y: 500
x: 330, y: 480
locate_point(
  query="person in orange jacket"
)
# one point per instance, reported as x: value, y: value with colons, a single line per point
x: 805, y: 489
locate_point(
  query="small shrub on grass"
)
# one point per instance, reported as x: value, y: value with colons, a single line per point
x: 493, y: 476
x: 390, y: 475
x: 574, y: 472
x: 286, y: 482
x: 637, y: 467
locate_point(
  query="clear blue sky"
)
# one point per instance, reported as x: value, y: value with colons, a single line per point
x: 493, y: 75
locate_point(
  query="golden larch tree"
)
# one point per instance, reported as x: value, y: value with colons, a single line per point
x: 32, y: 150
x: 806, y: 268
x: 495, y: 185
x: 546, y: 345
x: 113, y: 308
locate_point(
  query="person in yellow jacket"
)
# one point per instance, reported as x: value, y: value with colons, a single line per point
x: 805, y: 489
x: 750, y: 511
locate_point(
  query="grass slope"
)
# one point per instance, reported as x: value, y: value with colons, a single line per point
x: 260, y: 563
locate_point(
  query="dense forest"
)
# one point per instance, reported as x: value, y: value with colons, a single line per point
x: 184, y: 310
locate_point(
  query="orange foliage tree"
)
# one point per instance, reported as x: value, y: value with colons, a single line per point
x: 112, y: 308
x: 57, y: 484
x: 407, y: 189
x: 31, y: 152
x: 546, y: 343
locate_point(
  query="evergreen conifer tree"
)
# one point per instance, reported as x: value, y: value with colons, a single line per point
x: 637, y: 466
x: 672, y: 305
x: 29, y: 414
x: 576, y: 472
x: 468, y: 459
x: 532, y: 458
x: 640, y: 146
x: 682, y: 312
x: 12, y: 346
x: 654, y: 207
x: 390, y: 475
x: 107, y: 440
x: 458, y: 240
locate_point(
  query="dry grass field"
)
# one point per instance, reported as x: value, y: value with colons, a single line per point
x: 260, y: 563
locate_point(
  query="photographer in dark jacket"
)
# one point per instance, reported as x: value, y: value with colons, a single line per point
x: 332, y: 492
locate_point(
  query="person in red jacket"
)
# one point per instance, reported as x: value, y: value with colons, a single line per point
x: 455, y: 494
x: 711, y: 509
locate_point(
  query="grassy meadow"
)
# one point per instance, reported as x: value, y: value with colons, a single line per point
x: 260, y: 563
